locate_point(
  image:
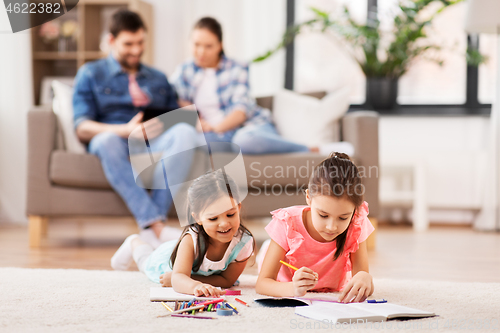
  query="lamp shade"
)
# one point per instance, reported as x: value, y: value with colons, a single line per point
x: 483, y: 16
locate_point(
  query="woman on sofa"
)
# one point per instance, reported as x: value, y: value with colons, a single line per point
x: 219, y: 88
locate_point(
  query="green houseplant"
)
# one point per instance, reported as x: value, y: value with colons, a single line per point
x: 383, y: 56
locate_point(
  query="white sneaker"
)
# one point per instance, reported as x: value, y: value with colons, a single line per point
x: 169, y: 233
x: 149, y: 236
x: 122, y: 258
x: 341, y: 147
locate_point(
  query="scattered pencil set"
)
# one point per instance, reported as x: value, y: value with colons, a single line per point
x: 193, y: 308
x: 189, y: 309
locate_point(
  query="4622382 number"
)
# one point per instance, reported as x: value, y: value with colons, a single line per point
x: 34, y: 8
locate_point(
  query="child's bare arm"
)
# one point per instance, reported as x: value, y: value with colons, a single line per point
x: 181, y: 274
x: 225, y: 279
x: 359, y: 259
x: 303, y: 279
x: 361, y: 284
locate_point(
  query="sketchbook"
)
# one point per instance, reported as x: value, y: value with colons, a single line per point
x: 355, y: 312
x: 158, y: 294
x: 295, y: 301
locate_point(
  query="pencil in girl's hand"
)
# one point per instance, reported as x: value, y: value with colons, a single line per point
x: 288, y: 265
x: 294, y: 268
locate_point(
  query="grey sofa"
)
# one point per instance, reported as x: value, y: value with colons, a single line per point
x: 64, y: 184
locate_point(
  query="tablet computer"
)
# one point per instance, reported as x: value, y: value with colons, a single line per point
x: 153, y: 112
x: 171, y: 117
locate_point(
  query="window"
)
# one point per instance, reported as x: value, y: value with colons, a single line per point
x: 322, y: 62
x: 426, y: 82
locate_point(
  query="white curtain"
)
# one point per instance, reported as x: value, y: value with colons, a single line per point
x: 250, y: 27
x: 489, y: 216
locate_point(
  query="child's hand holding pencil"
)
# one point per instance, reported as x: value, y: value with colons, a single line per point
x: 304, y: 279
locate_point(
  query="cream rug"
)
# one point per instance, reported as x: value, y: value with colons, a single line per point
x: 62, y: 300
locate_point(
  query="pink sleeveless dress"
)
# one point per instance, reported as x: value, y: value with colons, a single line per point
x: 288, y: 231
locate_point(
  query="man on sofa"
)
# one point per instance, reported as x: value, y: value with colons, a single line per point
x: 108, y: 96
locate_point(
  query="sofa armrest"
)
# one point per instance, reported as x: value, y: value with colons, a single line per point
x: 42, y: 127
x: 361, y: 129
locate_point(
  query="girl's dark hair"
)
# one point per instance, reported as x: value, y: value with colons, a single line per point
x: 203, y: 191
x: 338, y: 176
x: 125, y: 20
x: 211, y: 25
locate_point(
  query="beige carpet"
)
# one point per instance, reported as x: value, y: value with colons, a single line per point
x: 34, y: 300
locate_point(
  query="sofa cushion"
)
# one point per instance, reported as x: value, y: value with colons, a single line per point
x: 77, y: 170
x: 263, y: 171
x: 63, y: 107
x: 308, y: 120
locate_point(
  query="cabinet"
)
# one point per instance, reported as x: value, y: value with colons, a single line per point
x: 62, y: 56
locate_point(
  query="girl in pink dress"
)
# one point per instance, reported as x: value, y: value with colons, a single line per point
x: 325, y: 239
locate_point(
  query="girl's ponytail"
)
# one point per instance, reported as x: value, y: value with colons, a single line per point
x: 340, y: 155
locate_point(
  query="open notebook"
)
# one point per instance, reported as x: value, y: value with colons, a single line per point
x: 158, y: 294
x: 351, y: 312
x: 295, y: 301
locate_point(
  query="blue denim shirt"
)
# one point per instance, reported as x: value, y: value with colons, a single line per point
x: 101, y: 92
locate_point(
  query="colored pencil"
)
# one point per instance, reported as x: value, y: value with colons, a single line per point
x: 183, y: 310
x: 242, y: 302
x: 217, y: 300
x: 292, y: 267
x: 167, y: 307
x: 288, y: 265
x: 183, y: 306
x: 190, y: 316
x: 232, y: 308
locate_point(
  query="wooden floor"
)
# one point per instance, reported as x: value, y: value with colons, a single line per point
x: 442, y: 253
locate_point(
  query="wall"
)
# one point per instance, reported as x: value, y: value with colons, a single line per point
x: 250, y: 27
x: 453, y: 151
x: 15, y: 100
